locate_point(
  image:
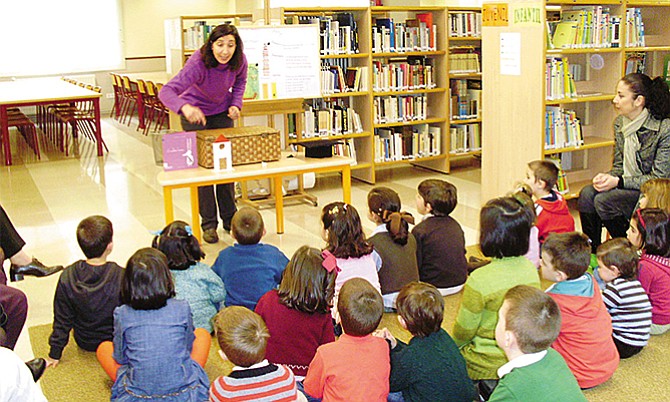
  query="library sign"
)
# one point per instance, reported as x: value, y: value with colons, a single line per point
x: 512, y: 14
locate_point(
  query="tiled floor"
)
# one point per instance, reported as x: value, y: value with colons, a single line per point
x: 47, y: 198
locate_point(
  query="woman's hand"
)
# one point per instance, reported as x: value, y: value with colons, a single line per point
x: 234, y: 112
x: 193, y: 114
x: 605, y: 182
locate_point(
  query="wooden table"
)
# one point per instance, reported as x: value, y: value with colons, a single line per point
x: 287, y: 166
x: 42, y: 91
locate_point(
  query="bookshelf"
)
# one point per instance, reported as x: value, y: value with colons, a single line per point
x: 652, y: 56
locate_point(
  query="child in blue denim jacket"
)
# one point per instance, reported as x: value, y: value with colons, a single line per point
x: 156, y: 353
x: 194, y: 281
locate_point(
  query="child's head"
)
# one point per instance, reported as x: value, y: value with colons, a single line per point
x: 565, y: 256
x: 360, y: 306
x: 179, y: 245
x: 420, y: 308
x: 656, y: 194
x: 504, y: 228
x: 617, y: 258
x: 242, y: 335
x: 147, y: 281
x: 435, y: 196
x: 343, y: 232
x: 650, y: 231
x: 247, y: 226
x: 541, y: 176
x: 529, y: 321
x: 523, y: 197
x: 384, y: 206
x: 94, y: 235
x: 306, y: 284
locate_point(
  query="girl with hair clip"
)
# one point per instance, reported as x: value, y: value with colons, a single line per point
x: 656, y: 194
x: 641, y: 153
x: 207, y: 93
x: 343, y: 233
x: 504, y: 232
x: 298, y: 313
x: 524, y: 195
x: 194, y: 281
x: 393, y: 242
x: 156, y: 353
x: 650, y: 233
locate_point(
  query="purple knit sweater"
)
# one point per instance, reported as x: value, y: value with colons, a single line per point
x: 213, y: 90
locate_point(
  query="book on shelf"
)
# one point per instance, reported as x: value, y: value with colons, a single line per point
x: 400, y: 108
x: 414, y: 73
x: 559, y: 82
x: 338, y: 32
x: 413, y: 34
x: 635, y: 62
x: 329, y: 118
x: 585, y: 27
x: 562, y: 128
x: 465, y: 24
x: 465, y: 138
x: 466, y: 99
x: 427, y: 19
x: 407, y: 143
x: 464, y: 59
x: 346, y: 148
x: 634, y: 28
x: 666, y: 68
x: 562, y: 182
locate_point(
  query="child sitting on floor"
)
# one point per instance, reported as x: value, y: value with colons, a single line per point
x: 87, y: 293
x: 243, y: 337
x: 194, y: 281
x: 298, y: 313
x: 528, y: 322
x: 393, y: 242
x: 624, y: 296
x: 356, y: 366
x: 430, y: 367
x: 249, y: 268
x: 585, y: 340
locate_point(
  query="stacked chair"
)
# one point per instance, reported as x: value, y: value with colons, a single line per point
x: 27, y: 129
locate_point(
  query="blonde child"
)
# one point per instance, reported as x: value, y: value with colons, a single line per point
x: 504, y: 233
x: 626, y: 300
x: 194, y: 281
x: 649, y: 232
x: 344, y: 237
x: 156, y: 351
x: 393, y: 242
x: 656, y: 194
x: 298, y: 313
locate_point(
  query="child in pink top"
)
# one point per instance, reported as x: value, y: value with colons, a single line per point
x: 649, y: 231
x: 356, y: 367
x: 343, y: 233
x: 298, y: 313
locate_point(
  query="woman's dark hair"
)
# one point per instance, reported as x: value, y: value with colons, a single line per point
x: 179, y: 245
x: 385, y: 203
x: 345, y: 233
x: 219, y: 32
x: 655, y: 92
x: 147, y: 281
x: 652, y: 223
x: 504, y: 227
x: 305, y: 284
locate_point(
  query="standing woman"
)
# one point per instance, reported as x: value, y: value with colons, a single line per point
x: 207, y: 93
x: 641, y: 153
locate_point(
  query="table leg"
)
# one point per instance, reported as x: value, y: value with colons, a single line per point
x: 167, y: 204
x: 5, y: 134
x: 346, y: 184
x: 279, y: 203
x: 195, y: 214
x: 98, y: 130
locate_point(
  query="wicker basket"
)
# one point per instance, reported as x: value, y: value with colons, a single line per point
x: 251, y: 144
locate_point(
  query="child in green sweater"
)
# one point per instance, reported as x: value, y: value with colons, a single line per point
x: 504, y: 233
x: 528, y: 322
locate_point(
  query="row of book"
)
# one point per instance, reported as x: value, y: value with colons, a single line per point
x: 393, y: 109
x: 415, y: 34
x: 562, y: 128
x: 415, y: 73
x: 585, y: 27
x: 560, y: 162
x: 407, y: 143
x: 338, y: 32
x: 634, y: 28
x: 196, y: 35
x: 336, y: 80
x: 465, y: 138
x: 466, y: 99
x: 464, y: 60
x: 465, y: 24
x: 635, y: 62
x: 559, y: 81
x: 345, y: 148
x: 329, y: 118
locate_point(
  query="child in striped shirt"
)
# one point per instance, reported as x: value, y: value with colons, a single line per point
x: 624, y: 297
x: 243, y: 337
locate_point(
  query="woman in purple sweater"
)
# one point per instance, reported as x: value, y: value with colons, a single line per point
x: 207, y: 93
